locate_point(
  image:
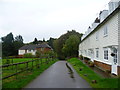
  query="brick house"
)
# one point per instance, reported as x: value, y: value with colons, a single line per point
x: 44, y: 47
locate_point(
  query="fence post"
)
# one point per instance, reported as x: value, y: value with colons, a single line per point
x: 27, y: 66
x: 12, y: 63
x: 32, y: 66
x: 16, y: 71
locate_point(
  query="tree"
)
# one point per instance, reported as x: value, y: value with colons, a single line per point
x: 10, y: 45
x: 19, y: 38
x: 43, y: 39
x: 60, y: 42
x: 8, y: 39
x: 50, y: 42
x: 35, y: 41
x: 70, y: 48
x: 7, y: 45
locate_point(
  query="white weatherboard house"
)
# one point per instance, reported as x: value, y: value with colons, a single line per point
x: 101, y: 42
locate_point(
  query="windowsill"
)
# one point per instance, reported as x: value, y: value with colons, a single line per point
x: 106, y: 60
x: 106, y: 35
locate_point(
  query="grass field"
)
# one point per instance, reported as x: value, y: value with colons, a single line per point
x: 15, y: 60
x: 24, y: 78
x: 91, y: 75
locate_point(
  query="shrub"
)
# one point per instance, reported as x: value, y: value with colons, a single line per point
x: 38, y: 54
x: 81, y: 57
x: 86, y: 58
x: 91, y: 64
x: 28, y: 55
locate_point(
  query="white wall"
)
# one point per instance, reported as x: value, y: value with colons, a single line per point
x: 31, y: 51
x: 22, y: 52
x: 103, y: 41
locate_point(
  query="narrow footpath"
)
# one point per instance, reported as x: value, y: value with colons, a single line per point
x: 58, y: 76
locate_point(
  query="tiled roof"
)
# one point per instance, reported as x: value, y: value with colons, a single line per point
x: 28, y: 47
x: 43, y: 45
x: 33, y: 47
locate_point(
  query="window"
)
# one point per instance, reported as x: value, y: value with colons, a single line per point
x: 105, y: 31
x: 97, y: 36
x: 33, y: 50
x: 86, y: 52
x: 97, y: 53
x: 115, y: 57
x: 29, y: 50
x: 106, y: 53
x: 89, y: 52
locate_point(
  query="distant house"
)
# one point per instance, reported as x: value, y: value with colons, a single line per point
x: 101, y: 42
x: 44, y: 47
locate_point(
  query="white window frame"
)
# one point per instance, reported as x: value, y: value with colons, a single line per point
x: 106, y: 52
x: 97, y: 52
x: 115, y: 51
x: 29, y: 50
x: 105, y: 31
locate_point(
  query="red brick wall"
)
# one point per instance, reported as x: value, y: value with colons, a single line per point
x: 103, y: 65
x: 44, y: 50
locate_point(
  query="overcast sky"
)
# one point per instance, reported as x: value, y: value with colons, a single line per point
x: 47, y: 18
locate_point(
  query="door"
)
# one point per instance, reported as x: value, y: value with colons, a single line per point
x: 114, y: 63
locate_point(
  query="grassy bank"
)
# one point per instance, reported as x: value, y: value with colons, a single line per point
x: 24, y: 78
x: 89, y: 75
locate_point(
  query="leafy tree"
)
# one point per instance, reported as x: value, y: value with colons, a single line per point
x: 43, y: 39
x: 10, y: 45
x: 70, y: 48
x: 35, y: 41
x: 60, y: 42
x: 50, y: 42
x: 7, y: 45
x: 19, y: 38
x: 8, y: 39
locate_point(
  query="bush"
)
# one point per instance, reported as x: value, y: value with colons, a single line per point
x: 81, y: 57
x: 91, y: 64
x: 86, y: 58
x: 28, y: 55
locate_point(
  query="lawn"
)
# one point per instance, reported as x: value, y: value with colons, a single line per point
x: 89, y: 75
x: 24, y: 78
x: 15, y: 60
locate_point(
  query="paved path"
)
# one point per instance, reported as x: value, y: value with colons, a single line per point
x: 57, y: 76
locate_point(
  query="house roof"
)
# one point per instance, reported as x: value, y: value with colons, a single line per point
x: 33, y: 47
x: 28, y: 47
x: 43, y: 45
x: 105, y: 20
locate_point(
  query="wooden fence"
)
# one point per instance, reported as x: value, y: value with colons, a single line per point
x: 26, y: 66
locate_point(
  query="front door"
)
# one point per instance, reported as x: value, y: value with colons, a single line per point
x: 114, y: 63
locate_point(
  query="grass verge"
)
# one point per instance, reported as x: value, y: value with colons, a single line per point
x: 89, y: 75
x: 24, y: 78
